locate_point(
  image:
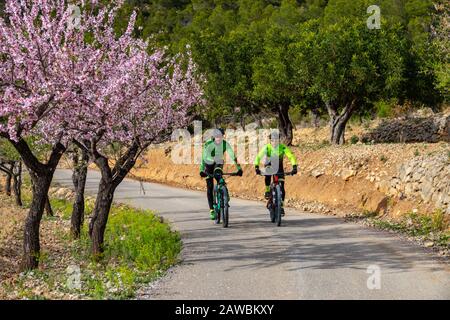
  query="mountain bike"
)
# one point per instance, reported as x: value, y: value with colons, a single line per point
x: 221, y: 199
x: 275, y: 199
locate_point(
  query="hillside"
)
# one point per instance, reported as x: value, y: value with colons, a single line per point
x: 354, y: 178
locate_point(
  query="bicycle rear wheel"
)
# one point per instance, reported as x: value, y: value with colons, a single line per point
x: 271, y: 206
x: 278, y: 205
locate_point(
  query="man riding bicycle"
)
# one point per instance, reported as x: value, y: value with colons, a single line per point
x: 274, y: 153
x: 212, y: 164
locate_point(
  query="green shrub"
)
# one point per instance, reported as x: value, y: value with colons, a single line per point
x: 385, y: 109
x: 354, y: 139
x: 437, y: 220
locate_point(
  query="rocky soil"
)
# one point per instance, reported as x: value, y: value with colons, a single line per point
x: 55, y: 253
x: 340, y: 179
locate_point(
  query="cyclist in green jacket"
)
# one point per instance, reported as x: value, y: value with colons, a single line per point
x: 274, y: 153
x: 212, y: 164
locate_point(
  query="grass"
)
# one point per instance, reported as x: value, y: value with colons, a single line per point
x: 354, y: 139
x: 139, y: 247
x: 431, y: 227
x: 61, y: 207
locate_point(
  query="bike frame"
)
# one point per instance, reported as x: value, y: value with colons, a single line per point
x: 218, y: 196
x: 272, y: 203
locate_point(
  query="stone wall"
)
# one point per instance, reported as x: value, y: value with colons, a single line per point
x: 411, y: 129
x: 424, y: 178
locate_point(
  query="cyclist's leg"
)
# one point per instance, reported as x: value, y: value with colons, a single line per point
x: 210, y: 189
x: 283, y: 191
x: 210, y: 192
x: 218, y: 170
x: 267, y: 180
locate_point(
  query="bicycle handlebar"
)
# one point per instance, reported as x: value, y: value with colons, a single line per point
x: 222, y: 174
x: 278, y: 174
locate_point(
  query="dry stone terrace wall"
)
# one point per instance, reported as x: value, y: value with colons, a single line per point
x: 425, y: 178
x: 412, y: 129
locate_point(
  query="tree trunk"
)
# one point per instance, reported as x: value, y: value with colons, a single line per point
x: 17, y: 183
x: 339, y: 121
x: 100, y: 215
x: 337, y: 131
x: 8, y: 184
x: 79, y: 181
x: 285, y: 125
x: 315, y: 118
x: 31, y: 246
x: 48, y: 207
x: 41, y: 177
x: 108, y: 183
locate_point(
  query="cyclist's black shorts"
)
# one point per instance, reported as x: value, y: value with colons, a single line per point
x: 209, y: 168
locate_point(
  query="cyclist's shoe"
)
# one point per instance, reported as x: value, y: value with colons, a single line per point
x: 212, y: 214
x: 267, y: 195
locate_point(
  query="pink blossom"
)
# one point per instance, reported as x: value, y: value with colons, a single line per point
x: 110, y: 89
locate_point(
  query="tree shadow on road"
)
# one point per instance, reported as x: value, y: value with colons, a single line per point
x: 308, y: 243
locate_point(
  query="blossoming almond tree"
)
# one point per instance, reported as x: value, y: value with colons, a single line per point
x: 139, y: 99
x: 134, y: 100
x: 86, y: 84
x: 43, y: 63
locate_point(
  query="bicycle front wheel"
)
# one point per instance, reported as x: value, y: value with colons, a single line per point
x: 218, y: 206
x: 225, y: 203
x: 278, y: 205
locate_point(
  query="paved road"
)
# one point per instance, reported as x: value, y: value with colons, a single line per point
x: 310, y: 257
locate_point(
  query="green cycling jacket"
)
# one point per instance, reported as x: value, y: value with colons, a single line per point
x: 209, y: 153
x: 280, y: 151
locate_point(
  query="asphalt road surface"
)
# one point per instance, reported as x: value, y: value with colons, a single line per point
x: 309, y: 257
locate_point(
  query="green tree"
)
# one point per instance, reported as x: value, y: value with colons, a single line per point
x: 224, y: 52
x: 253, y: 52
x: 11, y: 165
x: 350, y: 67
x: 273, y: 72
x: 420, y: 85
x: 441, y: 47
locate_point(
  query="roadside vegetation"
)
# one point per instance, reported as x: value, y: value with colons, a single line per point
x: 140, y: 247
x: 430, y: 230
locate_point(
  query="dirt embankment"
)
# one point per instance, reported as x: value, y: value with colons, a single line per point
x: 333, y: 180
